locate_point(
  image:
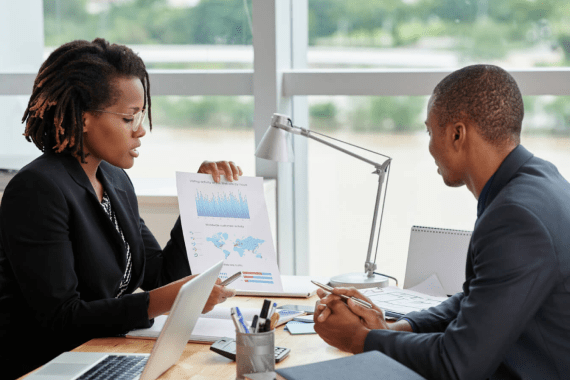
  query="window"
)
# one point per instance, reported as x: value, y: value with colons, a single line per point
x: 340, y: 222
x: 369, y: 69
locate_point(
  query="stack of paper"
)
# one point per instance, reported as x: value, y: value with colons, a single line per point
x: 212, y: 326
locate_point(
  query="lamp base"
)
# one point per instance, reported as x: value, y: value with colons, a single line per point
x: 359, y: 281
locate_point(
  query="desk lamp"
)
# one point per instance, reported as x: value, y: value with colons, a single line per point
x: 276, y: 145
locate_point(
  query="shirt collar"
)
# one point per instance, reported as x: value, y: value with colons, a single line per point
x: 508, y: 169
x: 481, y: 203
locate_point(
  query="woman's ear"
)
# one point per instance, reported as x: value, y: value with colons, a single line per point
x: 86, y: 119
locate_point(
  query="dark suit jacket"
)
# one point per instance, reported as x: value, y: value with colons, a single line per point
x: 62, y: 260
x: 512, y: 319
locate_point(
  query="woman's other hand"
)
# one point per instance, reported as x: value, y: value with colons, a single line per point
x: 218, y: 295
x: 217, y: 169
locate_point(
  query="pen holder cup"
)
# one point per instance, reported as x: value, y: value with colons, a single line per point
x: 255, y: 353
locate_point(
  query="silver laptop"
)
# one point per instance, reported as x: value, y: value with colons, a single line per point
x: 168, y: 348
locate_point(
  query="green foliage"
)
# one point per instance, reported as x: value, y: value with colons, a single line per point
x: 560, y: 110
x: 479, y: 30
x: 203, y: 112
x: 149, y: 22
x: 399, y: 114
x: 323, y: 116
x: 564, y: 41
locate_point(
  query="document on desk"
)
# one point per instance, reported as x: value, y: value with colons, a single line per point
x: 229, y: 221
x: 401, y: 301
x: 211, y: 326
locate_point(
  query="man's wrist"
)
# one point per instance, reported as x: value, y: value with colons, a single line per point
x: 358, y: 340
x: 401, y: 325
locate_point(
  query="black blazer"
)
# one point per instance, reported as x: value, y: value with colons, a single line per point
x: 62, y: 260
x: 512, y: 320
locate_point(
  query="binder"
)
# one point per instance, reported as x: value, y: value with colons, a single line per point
x: 437, y: 251
x: 372, y: 365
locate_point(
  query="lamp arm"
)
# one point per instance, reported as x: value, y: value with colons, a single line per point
x: 369, y: 266
x: 307, y: 133
x: 283, y: 122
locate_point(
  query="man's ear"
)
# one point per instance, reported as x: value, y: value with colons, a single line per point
x: 458, y: 135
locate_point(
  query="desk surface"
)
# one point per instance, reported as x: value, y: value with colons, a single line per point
x: 198, y: 362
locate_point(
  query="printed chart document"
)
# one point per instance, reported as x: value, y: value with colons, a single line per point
x: 401, y: 301
x: 228, y: 221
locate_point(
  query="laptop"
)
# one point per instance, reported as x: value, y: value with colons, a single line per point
x: 168, y: 348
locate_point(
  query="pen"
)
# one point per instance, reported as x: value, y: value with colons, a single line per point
x: 241, y: 320
x: 236, y: 323
x: 330, y: 290
x: 272, y: 310
x: 231, y: 279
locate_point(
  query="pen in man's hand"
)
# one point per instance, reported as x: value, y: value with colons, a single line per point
x: 330, y: 290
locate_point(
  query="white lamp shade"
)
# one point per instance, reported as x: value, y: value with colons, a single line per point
x: 276, y: 145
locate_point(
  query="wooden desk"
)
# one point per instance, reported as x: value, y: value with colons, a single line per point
x: 198, y: 362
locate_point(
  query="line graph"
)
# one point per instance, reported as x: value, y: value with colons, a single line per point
x: 222, y: 205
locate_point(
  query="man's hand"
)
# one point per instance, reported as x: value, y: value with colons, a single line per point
x: 371, y: 318
x: 345, y: 325
x: 216, y: 169
x: 218, y: 295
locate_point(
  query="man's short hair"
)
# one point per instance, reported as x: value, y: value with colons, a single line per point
x: 486, y: 95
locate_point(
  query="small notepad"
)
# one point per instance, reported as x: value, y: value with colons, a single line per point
x: 287, y: 315
x: 295, y: 328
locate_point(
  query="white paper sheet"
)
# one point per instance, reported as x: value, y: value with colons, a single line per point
x: 207, y: 330
x: 401, y: 301
x: 229, y: 221
x: 212, y: 326
x: 431, y: 286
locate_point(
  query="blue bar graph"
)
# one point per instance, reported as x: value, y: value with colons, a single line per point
x: 222, y: 205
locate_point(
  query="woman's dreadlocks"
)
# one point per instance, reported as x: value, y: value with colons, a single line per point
x: 78, y: 77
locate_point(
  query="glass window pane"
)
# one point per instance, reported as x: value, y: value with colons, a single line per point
x: 15, y: 151
x: 340, y: 223
x: 178, y: 34
x: 188, y: 130
x: 438, y: 34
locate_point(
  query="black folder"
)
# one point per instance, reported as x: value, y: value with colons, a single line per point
x: 372, y: 365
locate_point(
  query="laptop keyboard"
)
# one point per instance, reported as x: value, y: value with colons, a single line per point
x: 117, y: 368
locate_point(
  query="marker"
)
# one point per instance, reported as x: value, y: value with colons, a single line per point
x: 254, y: 324
x: 263, y: 315
x: 241, y: 320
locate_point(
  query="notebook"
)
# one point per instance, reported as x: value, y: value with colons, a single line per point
x: 214, y: 325
x: 438, y: 251
x: 372, y: 365
x: 167, y: 350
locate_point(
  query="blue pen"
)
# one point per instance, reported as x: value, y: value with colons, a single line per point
x: 241, y: 320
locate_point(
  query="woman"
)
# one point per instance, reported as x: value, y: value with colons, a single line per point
x: 73, y: 246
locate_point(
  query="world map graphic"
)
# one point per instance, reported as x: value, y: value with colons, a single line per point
x: 242, y: 246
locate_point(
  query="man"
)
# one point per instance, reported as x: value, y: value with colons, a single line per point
x: 512, y: 319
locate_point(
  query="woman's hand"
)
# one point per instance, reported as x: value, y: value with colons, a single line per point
x: 161, y: 299
x: 218, y: 295
x: 217, y: 169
